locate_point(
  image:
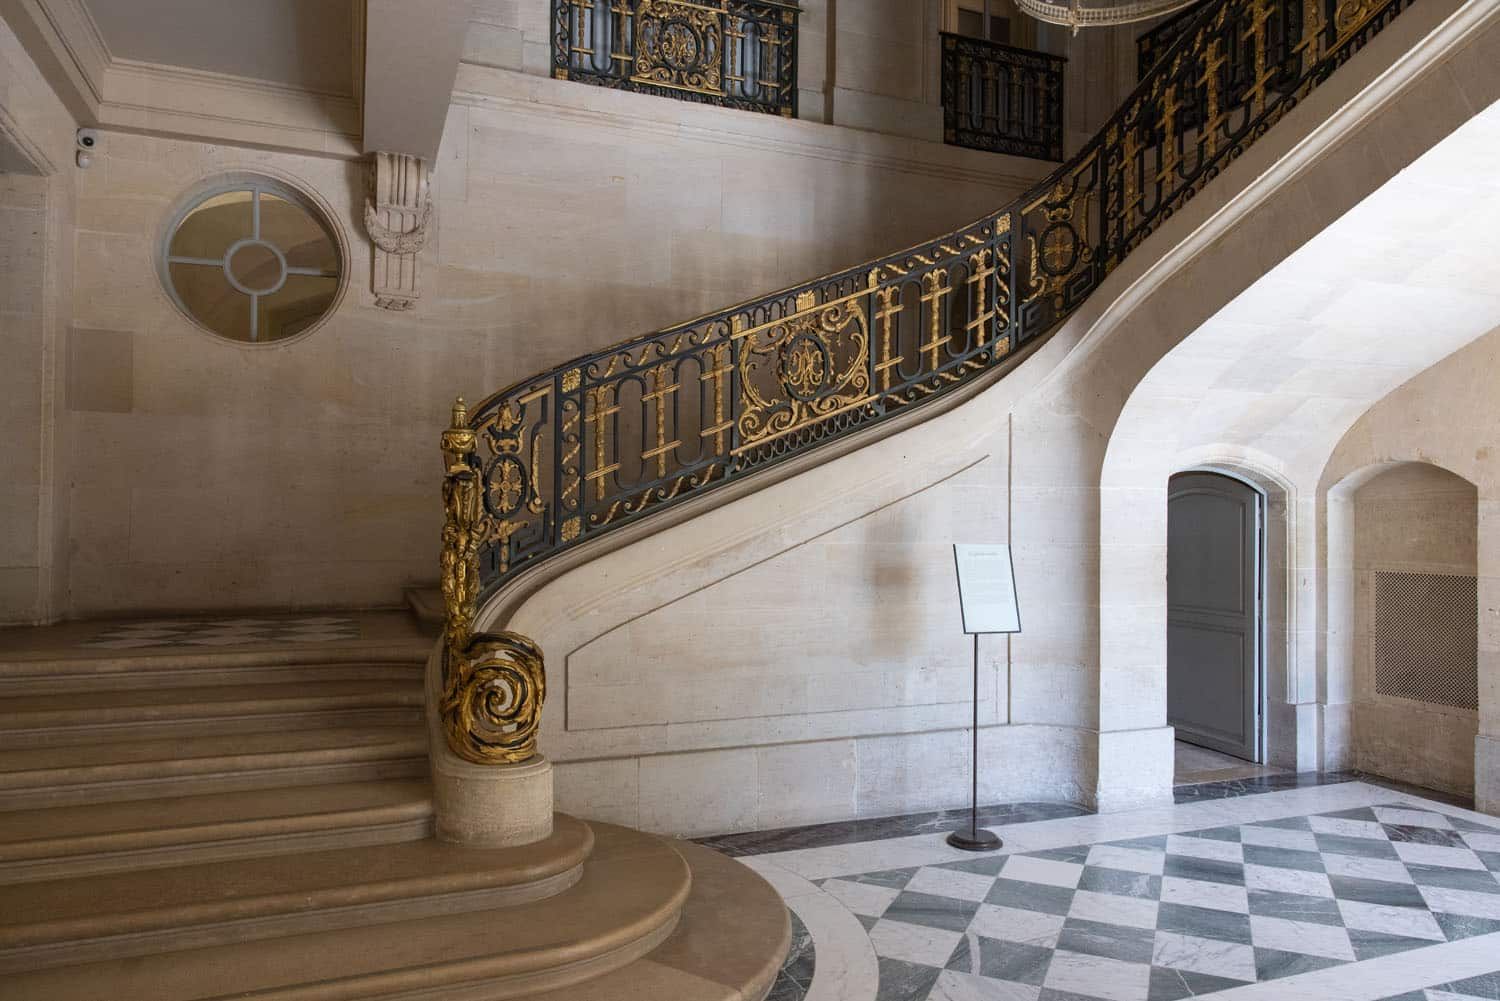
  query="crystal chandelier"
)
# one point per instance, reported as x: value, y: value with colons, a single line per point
x: 1093, y: 13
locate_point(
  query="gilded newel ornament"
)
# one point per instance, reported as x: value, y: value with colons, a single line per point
x: 398, y: 218
x: 493, y: 683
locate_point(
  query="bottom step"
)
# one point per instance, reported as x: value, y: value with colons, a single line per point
x: 728, y: 946
x: 625, y: 906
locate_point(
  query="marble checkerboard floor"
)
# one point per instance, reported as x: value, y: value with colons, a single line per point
x: 1343, y: 892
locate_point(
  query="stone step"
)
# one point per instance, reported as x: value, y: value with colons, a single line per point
x: 73, y: 841
x: 126, y: 914
x: 141, y: 714
x: 426, y: 603
x: 37, y: 777
x: 627, y: 903
x: 173, y: 668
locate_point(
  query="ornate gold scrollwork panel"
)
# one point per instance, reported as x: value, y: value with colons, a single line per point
x: 801, y: 370
x: 679, y: 45
x: 493, y: 684
x: 494, y: 687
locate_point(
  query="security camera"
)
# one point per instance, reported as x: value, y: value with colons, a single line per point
x: 87, y: 139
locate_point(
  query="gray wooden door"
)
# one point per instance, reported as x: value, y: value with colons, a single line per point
x: 1213, y: 613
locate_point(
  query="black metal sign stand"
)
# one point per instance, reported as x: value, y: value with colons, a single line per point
x: 995, y: 612
x: 975, y: 838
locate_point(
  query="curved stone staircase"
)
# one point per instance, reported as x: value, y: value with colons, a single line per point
x: 257, y: 822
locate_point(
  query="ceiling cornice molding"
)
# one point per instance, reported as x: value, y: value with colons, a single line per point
x: 208, y: 106
x: 202, y: 105
x: 63, y: 40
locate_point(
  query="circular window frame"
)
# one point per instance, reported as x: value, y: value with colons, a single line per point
x: 281, y: 187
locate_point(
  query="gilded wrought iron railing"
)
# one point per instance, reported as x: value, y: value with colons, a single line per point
x: 1150, y: 46
x: 612, y: 437
x: 734, y: 53
x: 1002, y: 99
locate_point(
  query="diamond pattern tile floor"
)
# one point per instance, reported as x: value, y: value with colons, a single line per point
x: 1183, y: 915
x: 223, y: 632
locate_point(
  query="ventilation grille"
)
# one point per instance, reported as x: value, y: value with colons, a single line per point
x: 1427, y: 637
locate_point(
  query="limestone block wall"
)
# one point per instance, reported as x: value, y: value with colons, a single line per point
x: 214, y: 475
x: 865, y: 64
x: 36, y: 214
x: 1415, y: 517
x: 1446, y: 417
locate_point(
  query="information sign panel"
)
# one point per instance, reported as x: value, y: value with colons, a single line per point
x: 986, y: 588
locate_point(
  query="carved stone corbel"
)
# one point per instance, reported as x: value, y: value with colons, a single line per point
x: 398, y: 217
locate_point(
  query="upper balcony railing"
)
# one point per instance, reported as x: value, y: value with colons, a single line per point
x: 734, y: 53
x: 1002, y: 99
x: 1150, y: 46
x: 615, y: 436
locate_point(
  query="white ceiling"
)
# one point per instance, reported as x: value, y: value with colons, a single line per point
x: 299, y: 43
x: 1404, y: 279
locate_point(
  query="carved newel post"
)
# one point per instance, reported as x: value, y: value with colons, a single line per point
x: 484, y: 690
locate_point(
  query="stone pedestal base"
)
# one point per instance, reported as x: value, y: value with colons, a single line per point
x: 492, y: 806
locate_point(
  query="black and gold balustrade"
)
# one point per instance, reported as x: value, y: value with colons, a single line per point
x: 1002, y: 99
x: 733, y: 53
x: 607, y: 439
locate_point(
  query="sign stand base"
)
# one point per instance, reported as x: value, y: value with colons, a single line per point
x: 971, y: 840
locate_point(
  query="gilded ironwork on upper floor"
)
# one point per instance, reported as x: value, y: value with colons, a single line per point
x: 1151, y: 44
x: 1001, y: 98
x: 611, y: 437
x: 734, y: 53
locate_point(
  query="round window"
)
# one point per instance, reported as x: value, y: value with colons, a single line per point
x: 252, y: 260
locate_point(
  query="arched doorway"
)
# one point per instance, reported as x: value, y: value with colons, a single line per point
x: 1215, y: 634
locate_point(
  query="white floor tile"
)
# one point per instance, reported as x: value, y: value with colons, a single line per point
x: 1215, y: 896
x: 1204, y: 955
x: 1128, y: 859
x: 1482, y: 842
x: 1348, y: 828
x: 950, y: 883
x: 1205, y: 848
x: 1301, y: 937
x: 1408, y: 922
x: 913, y: 943
x: 861, y: 898
x: 954, y: 986
x: 1266, y: 877
x: 1412, y: 818
x: 1098, y: 977
x: 1009, y: 924
x: 1446, y: 901
x: 1273, y: 837
x: 1453, y: 858
x: 1041, y: 870
x: 1388, y: 870
x: 1133, y: 912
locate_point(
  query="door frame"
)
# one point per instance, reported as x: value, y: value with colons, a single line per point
x: 1258, y: 552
